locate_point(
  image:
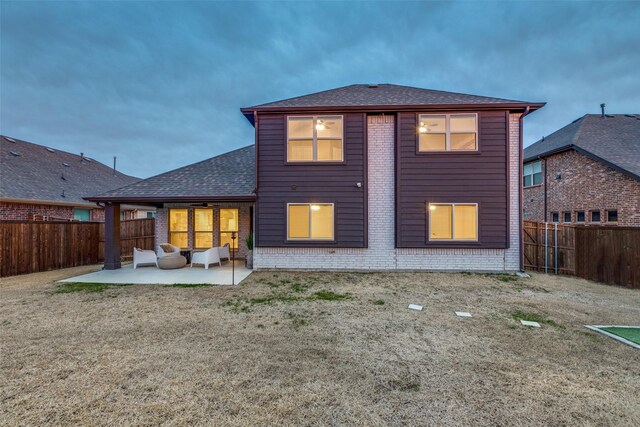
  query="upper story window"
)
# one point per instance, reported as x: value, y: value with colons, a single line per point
x: 314, y: 139
x: 448, y: 132
x: 532, y: 174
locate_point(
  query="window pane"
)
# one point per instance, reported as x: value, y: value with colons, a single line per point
x: 580, y: 216
x: 433, y: 124
x: 527, y: 181
x: 595, y: 216
x: 81, y: 214
x: 226, y: 238
x: 554, y: 216
x: 178, y: 220
x: 612, y: 216
x: 440, y: 221
x: 300, y: 151
x: 321, y: 221
x: 465, y: 226
x: 462, y: 123
x: 432, y: 142
x: 228, y: 219
x: 203, y: 219
x: 528, y: 169
x: 329, y: 127
x: 298, y: 221
x: 204, y: 240
x: 179, y: 239
x: 330, y: 149
x: 566, y: 217
x: 537, y: 178
x: 300, y: 127
x: 463, y: 141
x: 537, y: 167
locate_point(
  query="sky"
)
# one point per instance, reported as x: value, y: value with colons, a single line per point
x: 160, y: 84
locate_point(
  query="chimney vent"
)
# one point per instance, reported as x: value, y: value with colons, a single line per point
x: 602, y: 109
x: 114, y: 165
x: 373, y: 86
x: 81, y: 156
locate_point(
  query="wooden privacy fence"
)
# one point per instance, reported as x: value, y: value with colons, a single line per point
x: 29, y: 247
x: 604, y: 254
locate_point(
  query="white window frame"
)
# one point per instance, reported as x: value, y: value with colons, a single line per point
x: 532, y: 174
x: 315, y: 138
x: 333, y: 223
x: 447, y: 148
x: 453, y: 222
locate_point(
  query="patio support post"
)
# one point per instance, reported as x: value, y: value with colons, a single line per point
x: 112, y: 236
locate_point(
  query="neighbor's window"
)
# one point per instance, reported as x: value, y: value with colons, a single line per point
x: 448, y: 132
x: 580, y: 216
x: 310, y: 221
x: 532, y: 174
x: 595, y: 216
x: 555, y: 217
x: 151, y: 214
x: 566, y: 217
x: 203, y: 228
x: 81, y: 214
x: 453, y: 221
x: 612, y: 216
x: 229, y: 224
x: 314, y: 139
x: 179, y: 227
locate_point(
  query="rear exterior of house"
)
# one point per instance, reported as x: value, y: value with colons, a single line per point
x: 586, y: 173
x: 385, y: 177
x: 364, y: 177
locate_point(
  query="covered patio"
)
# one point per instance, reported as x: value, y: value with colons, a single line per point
x: 215, y: 275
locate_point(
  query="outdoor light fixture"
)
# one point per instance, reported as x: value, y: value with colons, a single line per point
x: 422, y: 128
x: 320, y: 125
x: 315, y: 207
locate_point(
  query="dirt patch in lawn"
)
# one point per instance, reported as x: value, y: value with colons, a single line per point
x: 318, y: 348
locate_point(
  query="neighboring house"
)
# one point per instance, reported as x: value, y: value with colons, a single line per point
x: 41, y: 183
x: 588, y: 172
x: 363, y: 177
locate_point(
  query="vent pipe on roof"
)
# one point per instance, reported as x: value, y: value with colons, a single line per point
x: 114, y: 165
x: 81, y: 156
x: 602, y: 109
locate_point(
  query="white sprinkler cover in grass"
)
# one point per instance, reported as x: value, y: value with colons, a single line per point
x: 415, y: 307
x: 463, y: 314
x: 530, y: 323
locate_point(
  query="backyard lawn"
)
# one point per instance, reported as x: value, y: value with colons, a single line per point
x: 317, y: 348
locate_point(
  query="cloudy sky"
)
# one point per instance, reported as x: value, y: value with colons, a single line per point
x: 160, y: 84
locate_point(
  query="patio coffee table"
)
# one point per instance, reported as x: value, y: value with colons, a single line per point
x: 171, y: 262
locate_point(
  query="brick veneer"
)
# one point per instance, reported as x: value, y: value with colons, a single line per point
x: 244, y: 222
x: 25, y: 211
x: 381, y: 253
x: 584, y: 185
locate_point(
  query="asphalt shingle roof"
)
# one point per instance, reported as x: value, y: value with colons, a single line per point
x: 615, y: 139
x: 34, y: 172
x: 228, y: 175
x: 362, y: 95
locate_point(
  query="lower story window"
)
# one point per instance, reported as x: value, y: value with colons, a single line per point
x: 179, y: 227
x: 612, y: 216
x: 203, y: 228
x: 81, y: 214
x: 555, y: 217
x: 595, y: 216
x: 566, y: 217
x: 453, y: 221
x: 228, y: 226
x: 580, y: 216
x: 310, y: 221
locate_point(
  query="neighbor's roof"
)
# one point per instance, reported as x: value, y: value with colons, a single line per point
x: 34, y: 172
x: 386, y: 97
x: 613, y: 140
x: 228, y: 176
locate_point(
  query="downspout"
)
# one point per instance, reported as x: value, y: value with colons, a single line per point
x: 520, y: 219
x: 255, y: 204
x: 546, y: 215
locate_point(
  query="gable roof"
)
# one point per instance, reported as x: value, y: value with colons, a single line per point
x: 34, y: 172
x: 613, y: 140
x: 229, y: 176
x: 385, y: 97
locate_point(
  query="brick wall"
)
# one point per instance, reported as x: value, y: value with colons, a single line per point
x: 26, y: 211
x: 381, y: 253
x: 244, y: 222
x: 533, y: 200
x: 586, y: 185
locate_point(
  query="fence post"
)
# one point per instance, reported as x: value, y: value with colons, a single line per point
x: 546, y: 256
x: 555, y: 243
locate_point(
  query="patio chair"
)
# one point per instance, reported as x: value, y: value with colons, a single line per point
x: 142, y: 256
x: 223, y: 252
x: 167, y: 249
x: 210, y: 256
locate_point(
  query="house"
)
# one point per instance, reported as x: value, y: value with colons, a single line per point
x: 588, y: 172
x: 362, y: 177
x: 42, y: 183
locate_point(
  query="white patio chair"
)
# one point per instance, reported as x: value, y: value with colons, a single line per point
x: 175, y: 251
x: 223, y: 252
x: 210, y: 256
x: 142, y: 256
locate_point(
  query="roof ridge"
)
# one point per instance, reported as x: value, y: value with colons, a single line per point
x: 306, y: 94
x: 451, y: 92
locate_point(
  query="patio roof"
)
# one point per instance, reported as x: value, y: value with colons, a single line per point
x: 227, y: 177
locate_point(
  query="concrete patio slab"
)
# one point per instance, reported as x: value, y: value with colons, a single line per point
x: 215, y: 275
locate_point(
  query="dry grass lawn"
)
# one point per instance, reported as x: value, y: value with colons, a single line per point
x: 318, y: 348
